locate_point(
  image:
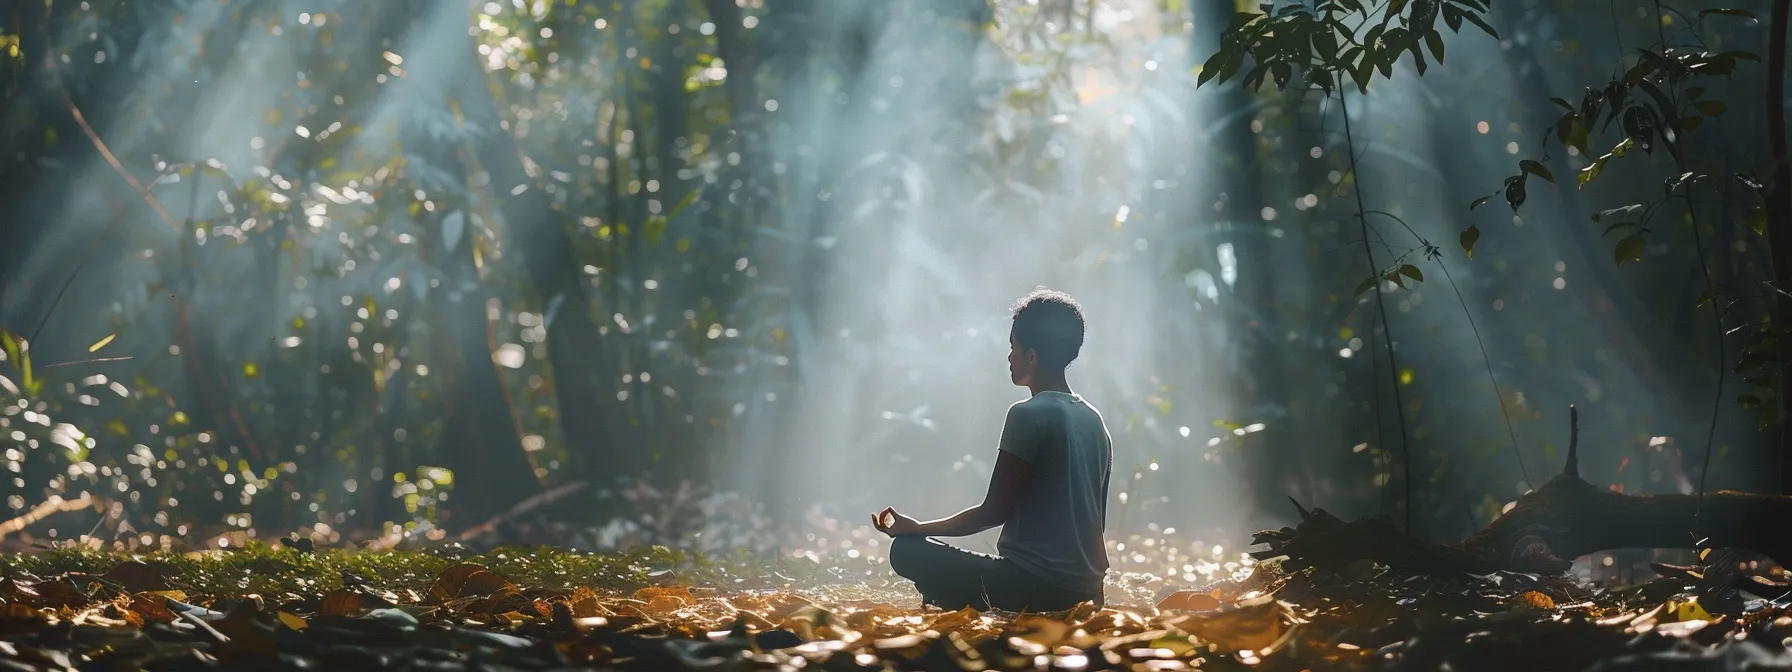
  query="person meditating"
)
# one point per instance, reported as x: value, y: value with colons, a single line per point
x: 1049, y: 489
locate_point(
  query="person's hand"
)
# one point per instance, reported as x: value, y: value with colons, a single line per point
x: 889, y: 522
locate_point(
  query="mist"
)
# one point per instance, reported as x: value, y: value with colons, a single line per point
x: 392, y: 259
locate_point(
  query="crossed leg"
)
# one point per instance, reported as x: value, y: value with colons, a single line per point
x: 949, y: 577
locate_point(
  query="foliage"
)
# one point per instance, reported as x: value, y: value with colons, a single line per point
x: 1321, y: 42
x: 1662, y: 100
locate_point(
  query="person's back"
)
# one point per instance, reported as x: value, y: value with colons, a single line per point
x: 1060, y: 515
x: 1048, y: 490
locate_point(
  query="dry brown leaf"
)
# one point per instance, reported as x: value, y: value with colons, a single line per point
x: 340, y: 603
x: 663, y: 604
x: 585, y: 603
x: 124, y: 613
x: 649, y: 593
x: 59, y: 593
x: 153, y: 605
x: 467, y: 580
x: 1039, y: 630
x: 780, y: 606
x: 1189, y: 600
x: 540, y: 609
x: 1252, y: 625
x: 953, y: 619
x: 137, y: 576
x: 1537, y: 600
x: 876, y: 620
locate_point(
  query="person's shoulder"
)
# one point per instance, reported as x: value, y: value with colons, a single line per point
x: 1026, y: 408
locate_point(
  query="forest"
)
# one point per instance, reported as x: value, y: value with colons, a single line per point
x: 584, y: 334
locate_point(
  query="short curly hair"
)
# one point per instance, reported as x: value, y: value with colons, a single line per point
x: 1050, y: 323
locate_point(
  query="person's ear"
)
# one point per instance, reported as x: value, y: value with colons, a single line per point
x: 1032, y: 356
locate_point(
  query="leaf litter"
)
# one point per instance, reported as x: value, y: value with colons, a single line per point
x: 542, y: 609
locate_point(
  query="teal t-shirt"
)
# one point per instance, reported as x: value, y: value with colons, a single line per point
x: 1055, y: 531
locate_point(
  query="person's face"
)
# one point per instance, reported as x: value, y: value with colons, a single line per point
x: 1022, y: 363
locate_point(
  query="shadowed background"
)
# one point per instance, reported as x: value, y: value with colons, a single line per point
x: 744, y: 269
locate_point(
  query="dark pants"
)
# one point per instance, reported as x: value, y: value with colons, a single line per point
x: 949, y: 577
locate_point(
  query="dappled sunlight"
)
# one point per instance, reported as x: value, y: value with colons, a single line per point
x: 538, y: 332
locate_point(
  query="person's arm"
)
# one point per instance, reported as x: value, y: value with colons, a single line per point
x: 1019, y: 444
x: 1004, y: 488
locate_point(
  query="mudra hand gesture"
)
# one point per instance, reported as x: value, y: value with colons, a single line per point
x: 889, y: 522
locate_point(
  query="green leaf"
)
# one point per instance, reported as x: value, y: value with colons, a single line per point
x: 1629, y: 214
x: 1361, y: 74
x: 1412, y: 271
x: 1230, y: 67
x: 1750, y: 181
x: 1478, y: 202
x: 1367, y: 284
x: 686, y: 202
x: 1756, y: 218
x: 1537, y: 169
x: 1577, y: 134
x: 1515, y: 191
x: 1435, y: 42
x: 1710, y: 108
x: 1253, y: 80
x: 1591, y: 171
x: 1469, y: 237
x: 1239, y: 19
x: 1481, y: 23
x: 1562, y: 103
x: 1665, y: 110
x: 1630, y: 248
x: 1215, y: 62
x: 1674, y: 183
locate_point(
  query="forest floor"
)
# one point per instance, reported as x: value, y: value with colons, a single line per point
x: 273, y: 608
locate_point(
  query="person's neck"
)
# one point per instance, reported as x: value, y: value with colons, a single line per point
x: 1049, y: 383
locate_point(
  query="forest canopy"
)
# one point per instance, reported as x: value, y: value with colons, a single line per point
x: 697, y: 272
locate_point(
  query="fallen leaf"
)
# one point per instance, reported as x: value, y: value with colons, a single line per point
x: 137, y: 576
x: 340, y: 603
x: 1252, y: 625
x: 1537, y: 600
x: 466, y: 580
x: 1188, y: 600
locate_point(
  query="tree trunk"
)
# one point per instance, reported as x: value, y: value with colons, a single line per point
x: 480, y: 442
x: 1251, y: 307
x: 545, y: 236
x: 1779, y: 223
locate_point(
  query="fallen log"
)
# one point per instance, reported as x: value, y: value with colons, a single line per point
x: 1545, y: 530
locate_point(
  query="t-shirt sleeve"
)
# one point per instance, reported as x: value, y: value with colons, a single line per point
x: 1020, y: 433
